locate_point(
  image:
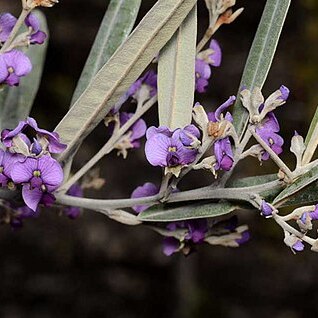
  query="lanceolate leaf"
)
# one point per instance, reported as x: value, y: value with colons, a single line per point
x: 261, y: 54
x: 311, y: 141
x: 19, y: 100
x: 176, y: 69
x: 305, y: 180
x: 187, y: 212
x: 114, y: 29
x: 122, y: 69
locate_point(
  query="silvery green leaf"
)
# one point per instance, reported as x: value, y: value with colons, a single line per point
x: 261, y: 55
x: 19, y: 100
x: 311, y: 140
x: 186, y: 212
x: 121, y: 70
x: 176, y: 75
x: 117, y: 23
x: 306, y: 179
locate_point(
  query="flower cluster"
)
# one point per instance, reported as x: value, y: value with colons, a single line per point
x: 262, y: 116
x: 27, y: 162
x: 172, y: 149
x: 204, y: 60
x: 185, y: 235
x: 14, y: 63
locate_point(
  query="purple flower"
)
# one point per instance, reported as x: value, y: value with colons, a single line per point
x: 314, y: 215
x: 54, y: 146
x: 7, y: 23
x: 39, y: 178
x: 7, y: 162
x: 216, y: 56
x: 222, y: 148
x: 13, y: 65
x: 203, y: 63
x: 196, y: 232
x: 266, y: 209
x: 164, y: 148
x: 147, y: 83
x: 202, y: 75
x: 146, y: 190
x: 37, y: 36
x: 138, y: 129
x: 224, y: 154
x: 298, y: 246
x: 73, y: 212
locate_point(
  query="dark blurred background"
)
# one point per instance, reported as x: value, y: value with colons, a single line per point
x: 94, y: 267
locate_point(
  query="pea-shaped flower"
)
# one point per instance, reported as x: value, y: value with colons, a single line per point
x: 38, y: 176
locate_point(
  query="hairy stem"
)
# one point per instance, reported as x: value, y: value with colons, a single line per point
x: 109, y: 146
x: 15, y: 30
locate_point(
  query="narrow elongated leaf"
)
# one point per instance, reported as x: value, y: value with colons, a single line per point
x: 187, y: 212
x: 252, y: 181
x: 261, y: 55
x: 311, y: 140
x: 305, y: 180
x: 19, y: 100
x: 122, y: 69
x: 176, y: 75
x: 306, y: 196
x: 117, y: 23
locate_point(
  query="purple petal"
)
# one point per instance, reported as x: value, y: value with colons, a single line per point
x: 285, y: 92
x: 201, y: 84
x: 146, y: 190
x: 298, y: 246
x: 138, y: 129
x: 202, y: 69
x: 38, y: 37
x: 4, y: 73
x: 270, y: 122
x: 197, y: 230
x: 188, y: 134
x: 33, y: 21
x: 266, y: 209
x: 51, y: 172
x: 245, y: 238
x: 216, y: 56
x: 223, y: 154
x: 7, y: 22
x: 7, y: 135
x: 152, y: 131
x: 32, y: 197
x: 314, y: 214
x: 23, y: 171
x: 211, y: 117
x: 224, y: 106
x: 170, y: 245
x: 156, y: 149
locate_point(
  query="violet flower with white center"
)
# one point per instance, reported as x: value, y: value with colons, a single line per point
x: 138, y: 129
x: 146, y: 190
x: 33, y: 23
x: 203, y: 63
x: 7, y: 23
x: 165, y: 149
x: 39, y: 178
x: 53, y: 139
x: 73, y: 212
x: 13, y: 65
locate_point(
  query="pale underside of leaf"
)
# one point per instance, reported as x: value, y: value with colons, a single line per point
x: 19, y: 100
x: 187, y: 212
x: 122, y: 69
x: 176, y: 75
x: 117, y: 24
x: 261, y: 55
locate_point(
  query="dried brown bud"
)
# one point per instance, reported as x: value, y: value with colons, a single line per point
x: 31, y: 4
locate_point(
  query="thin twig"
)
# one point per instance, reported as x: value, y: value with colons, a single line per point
x: 109, y: 146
